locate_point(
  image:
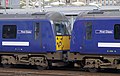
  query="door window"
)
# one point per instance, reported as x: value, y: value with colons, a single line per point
x: 88, y: 30
x: 117, y: 31
x: 37, y: 27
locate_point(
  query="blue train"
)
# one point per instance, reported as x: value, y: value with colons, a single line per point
x: 34, y: 39
x: 95, y: 40
x: 43, y: 39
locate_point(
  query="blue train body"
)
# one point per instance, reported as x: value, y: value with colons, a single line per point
x: 24, y: 39
x: 95, y: 40
x: 43, y: 39
x: 96, y: 36
x: 34, y: 39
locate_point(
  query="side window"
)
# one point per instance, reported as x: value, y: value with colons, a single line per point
x: 37, y: 27
x: 117, y: 31
x: 88, y: 26
x: 61, y: 29
x: 9, y: 31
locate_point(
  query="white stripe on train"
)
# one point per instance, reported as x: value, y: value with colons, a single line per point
x: 104, y: 44
x: 14, y: 43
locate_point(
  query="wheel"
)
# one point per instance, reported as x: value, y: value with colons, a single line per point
x: 7, y: 65
x: 93, y: 70
x: 41, y: 67
x: 50, y: 65
x: 70, y: 65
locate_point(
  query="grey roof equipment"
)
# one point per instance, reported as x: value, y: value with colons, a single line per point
x: 99, y: 14
x: 55, y: 16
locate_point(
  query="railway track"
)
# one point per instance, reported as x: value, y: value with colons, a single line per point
x: 55, y: 72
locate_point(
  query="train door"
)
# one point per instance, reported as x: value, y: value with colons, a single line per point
x: 81, y: 36
x: 88, y: 37
x: 77, y: 43
x: 38, y: 36
x: 0, y: 37
x: 62, y: 36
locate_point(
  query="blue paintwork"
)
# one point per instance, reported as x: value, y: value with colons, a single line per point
x: 78, y: 38
x: 45, y: 42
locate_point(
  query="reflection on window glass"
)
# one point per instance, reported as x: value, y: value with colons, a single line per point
x: 61, y: 29
x: 117, y: 31
x: 9, y: 31
x: 88, y: 30
x: 36, y: 30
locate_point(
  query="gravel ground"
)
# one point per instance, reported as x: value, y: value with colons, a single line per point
x: 54, y: 72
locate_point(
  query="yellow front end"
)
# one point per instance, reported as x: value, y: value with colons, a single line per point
x: 62, y: 43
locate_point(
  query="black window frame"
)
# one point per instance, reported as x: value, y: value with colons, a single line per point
x: 37, y: 30
x: 9, y: 31
x: 88, y: 26
x: 63, y: 31
x: 117, y: 31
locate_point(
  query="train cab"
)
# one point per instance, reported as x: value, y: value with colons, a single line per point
x: 62, y: 30
x: 95, y: 40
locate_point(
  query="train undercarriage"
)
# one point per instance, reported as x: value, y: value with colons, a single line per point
x: 94, y: 63
x: 41, y: 61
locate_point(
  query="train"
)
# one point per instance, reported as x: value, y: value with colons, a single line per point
x: 37, y: 39
x: 44, y: 39
x: 95, y: 40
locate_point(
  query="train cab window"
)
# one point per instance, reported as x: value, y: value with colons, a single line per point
x: 117, y: 31
x: 88, y: 26
x: 9, y: 31
x: 36, y: 30
x: 61, y: 29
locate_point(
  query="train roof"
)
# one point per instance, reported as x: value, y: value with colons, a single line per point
x: 55, y: 16
x: 99, y: 14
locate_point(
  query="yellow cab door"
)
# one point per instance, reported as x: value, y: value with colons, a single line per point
x: 62, y: 42
x: 62, y: 38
